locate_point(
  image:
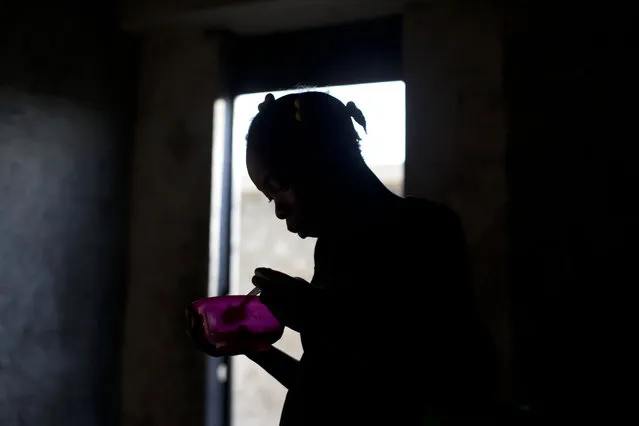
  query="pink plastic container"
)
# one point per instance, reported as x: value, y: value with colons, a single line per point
x: 231, y: 325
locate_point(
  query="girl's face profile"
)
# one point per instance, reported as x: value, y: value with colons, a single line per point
x: 289, y: 202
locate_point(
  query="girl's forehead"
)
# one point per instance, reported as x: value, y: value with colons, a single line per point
x: 258, y: 169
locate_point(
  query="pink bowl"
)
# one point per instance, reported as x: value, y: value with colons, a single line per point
x: 233, y: 324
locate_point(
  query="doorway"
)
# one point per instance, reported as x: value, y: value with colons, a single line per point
x: 258, y: 238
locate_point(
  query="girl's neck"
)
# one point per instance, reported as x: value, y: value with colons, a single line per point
x: 362, y: 199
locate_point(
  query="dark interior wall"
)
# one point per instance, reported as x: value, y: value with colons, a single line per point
x: 568, y: 76
x: 455, y: 142
x: 163, y: 375
x: 65, y: 105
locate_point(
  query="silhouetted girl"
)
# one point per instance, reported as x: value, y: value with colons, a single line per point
x: 388, y: 324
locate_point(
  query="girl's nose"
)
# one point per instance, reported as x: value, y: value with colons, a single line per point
x: 281, y: 211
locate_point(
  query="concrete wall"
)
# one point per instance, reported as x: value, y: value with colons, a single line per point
x: 163, y: 375
x: 456, y: 137
x: 65, y: 105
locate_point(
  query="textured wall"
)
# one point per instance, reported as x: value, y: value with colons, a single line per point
x: 163, y: 375
x: 63, y: 165
x: 455, y: 136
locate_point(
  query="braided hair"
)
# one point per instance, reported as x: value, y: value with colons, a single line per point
x: 306, y: 132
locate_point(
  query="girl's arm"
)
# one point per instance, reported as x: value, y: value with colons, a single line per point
x: 283, y: 367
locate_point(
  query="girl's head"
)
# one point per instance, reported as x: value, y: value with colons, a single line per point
x: 302, y: 151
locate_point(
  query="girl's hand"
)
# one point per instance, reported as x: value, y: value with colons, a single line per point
x: 289, y: 299
x: 195, y: 330
x: 237, y: 344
